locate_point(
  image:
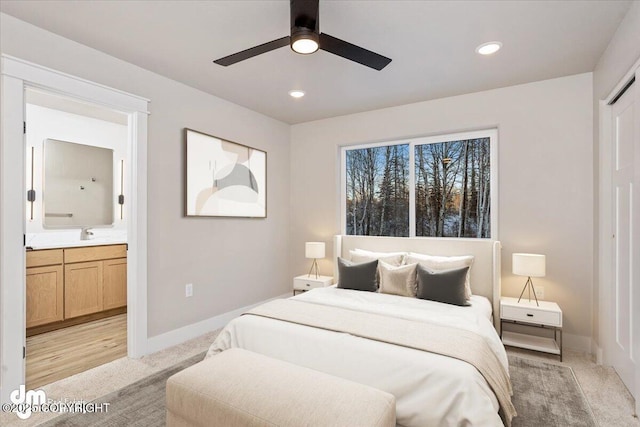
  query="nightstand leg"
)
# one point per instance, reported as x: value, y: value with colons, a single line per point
x: 561, y: 345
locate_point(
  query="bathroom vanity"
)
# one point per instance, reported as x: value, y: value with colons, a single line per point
x: 72, y: 285
x: 76, y: 233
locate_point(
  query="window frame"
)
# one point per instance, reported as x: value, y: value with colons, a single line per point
x: 491, y: 133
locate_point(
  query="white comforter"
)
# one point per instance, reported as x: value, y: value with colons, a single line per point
x: 430, y: 389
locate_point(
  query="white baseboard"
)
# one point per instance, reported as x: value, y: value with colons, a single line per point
x: 577, y: 342
x: 185, y: 333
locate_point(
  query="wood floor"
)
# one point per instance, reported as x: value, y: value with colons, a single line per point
x: 59, y: 354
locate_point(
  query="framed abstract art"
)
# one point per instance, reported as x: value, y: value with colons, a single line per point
x: 223, y: 178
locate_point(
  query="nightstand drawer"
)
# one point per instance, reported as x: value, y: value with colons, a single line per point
x: 301, y: 285
x: 531, y: 315
x: 304, y: 283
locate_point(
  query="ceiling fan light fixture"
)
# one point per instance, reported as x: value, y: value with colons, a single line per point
x: 488, y: 48
x: 304, y: 41
x: 305, y: 38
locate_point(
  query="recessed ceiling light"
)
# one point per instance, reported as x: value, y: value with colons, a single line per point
x: 296, y: 93
x: 488, y: 48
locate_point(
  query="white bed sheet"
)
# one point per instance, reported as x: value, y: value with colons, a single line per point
x: 430, y: 389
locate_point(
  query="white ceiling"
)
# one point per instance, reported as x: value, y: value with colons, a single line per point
x: 432, y: 44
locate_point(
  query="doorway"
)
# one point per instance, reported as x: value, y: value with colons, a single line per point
x: 76, y: 235
x: 17, y: 75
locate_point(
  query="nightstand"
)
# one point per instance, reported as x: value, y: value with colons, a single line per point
x: 546, y: 316
x: 306, y: 282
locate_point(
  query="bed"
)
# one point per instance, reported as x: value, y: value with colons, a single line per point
x: 430, y: 389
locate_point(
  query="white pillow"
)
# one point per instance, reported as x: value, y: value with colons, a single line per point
x: 397, y: 280
x: 393, y: 258
x: 440, y: 263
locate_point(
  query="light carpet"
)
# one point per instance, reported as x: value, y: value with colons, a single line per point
x: 545, y: 394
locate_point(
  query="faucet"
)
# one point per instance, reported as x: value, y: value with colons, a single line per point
x: 85, y: 234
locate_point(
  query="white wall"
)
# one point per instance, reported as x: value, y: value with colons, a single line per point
x: 46, y: 123
x: 621, y: 53
x: 545, y: 189
x: 231, y: 262
x: 545, y: 179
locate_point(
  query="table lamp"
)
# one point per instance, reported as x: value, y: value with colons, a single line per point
x: 314, y: 250
x: 530, y: 265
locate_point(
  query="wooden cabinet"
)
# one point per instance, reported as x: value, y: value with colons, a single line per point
x: 68, y: 283
x: 45, y: 295
x: 114, y: 285
x: 95, y: 279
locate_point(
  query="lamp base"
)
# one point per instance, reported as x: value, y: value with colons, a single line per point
x: 529, y: 285
x: 314, y: 267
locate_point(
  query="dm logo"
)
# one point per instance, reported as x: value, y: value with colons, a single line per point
x: 25, y: 400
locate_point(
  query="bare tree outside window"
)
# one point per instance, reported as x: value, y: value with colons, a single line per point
x: 453, y: 189
x: 377, y: 181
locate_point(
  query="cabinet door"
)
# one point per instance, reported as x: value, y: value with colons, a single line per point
x: 115, y: 283
x: 82, y: 288
x: 45, y: 293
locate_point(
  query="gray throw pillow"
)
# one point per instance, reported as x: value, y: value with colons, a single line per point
x: 360, y: 277
x: 443, y: 286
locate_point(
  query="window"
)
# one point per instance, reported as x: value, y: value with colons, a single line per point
x: 428, y: 187
x: 377, y: 186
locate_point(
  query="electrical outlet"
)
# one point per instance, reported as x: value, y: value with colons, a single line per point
x: 188, y: 290
x: 539, y: 292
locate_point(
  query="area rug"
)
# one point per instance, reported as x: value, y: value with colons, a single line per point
x: 544, y: 395
x: 141, y: 404
x: 547, y: 395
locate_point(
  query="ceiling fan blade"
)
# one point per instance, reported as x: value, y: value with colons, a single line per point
x: 304, y: 13
x: 353, y: 52
x: 254, y: 51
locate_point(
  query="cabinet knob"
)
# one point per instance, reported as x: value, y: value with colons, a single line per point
x: 529, y: 314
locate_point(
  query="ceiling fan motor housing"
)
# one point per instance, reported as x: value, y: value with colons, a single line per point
x: 305, y: 26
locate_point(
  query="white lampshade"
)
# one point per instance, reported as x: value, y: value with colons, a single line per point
x: 314, y: 249
x: 531, y: 265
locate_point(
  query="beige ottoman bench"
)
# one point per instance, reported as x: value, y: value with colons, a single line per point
x: 242, y: 388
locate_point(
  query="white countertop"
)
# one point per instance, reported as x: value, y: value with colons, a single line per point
x: 71, y: 239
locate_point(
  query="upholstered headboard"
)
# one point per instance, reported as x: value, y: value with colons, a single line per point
x: 485, y: 271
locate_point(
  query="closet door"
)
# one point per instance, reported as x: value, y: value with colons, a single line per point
x: 625, y: 274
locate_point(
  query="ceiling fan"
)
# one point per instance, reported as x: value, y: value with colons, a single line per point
x: 306, y: 38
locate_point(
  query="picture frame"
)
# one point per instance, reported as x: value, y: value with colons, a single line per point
x: 224, y: 178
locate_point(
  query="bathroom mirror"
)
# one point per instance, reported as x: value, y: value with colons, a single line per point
x: 78, y: 185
